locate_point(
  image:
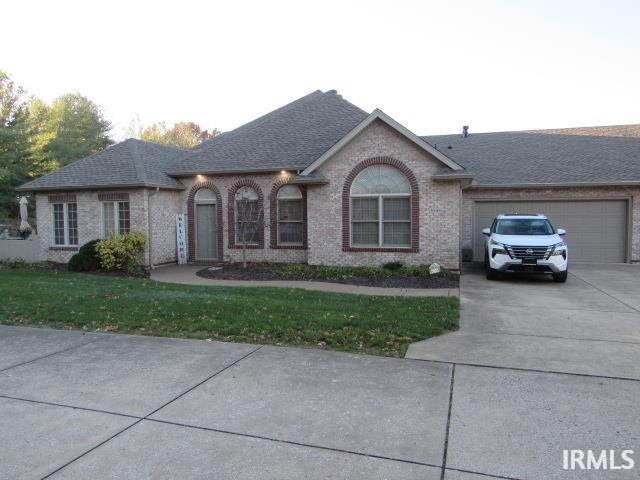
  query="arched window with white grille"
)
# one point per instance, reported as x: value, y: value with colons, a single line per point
x: 381, y: 208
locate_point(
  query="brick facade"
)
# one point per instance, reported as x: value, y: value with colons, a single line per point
x: 557, y: 193
x: 165, y: 204
x: 191, y: 211
x: 415, y: 206
x: 273, y: 217
x: 442, y: 214
x: 225, y: 184
x: 438, y: 204
x: 231, y: 204
x: 89, y: 219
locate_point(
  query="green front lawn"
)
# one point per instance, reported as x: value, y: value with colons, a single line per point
x: 355, y: 323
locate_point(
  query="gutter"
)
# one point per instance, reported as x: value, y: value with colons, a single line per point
x: 23, y: 188
x: 232, y: 172
x: 453, y: 176
x: 623, y: 183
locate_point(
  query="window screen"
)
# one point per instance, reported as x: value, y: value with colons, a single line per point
x: 290, y: 215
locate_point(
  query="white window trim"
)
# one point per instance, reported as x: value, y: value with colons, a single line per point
x: 116, y: 217
x: 380, y: 220
x: 278, y: 221
x: 65, y: 220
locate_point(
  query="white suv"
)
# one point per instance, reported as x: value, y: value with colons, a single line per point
x: 525, y: 243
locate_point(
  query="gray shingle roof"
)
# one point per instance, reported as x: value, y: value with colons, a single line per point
x: 543, y: 157
x: 128, y: 163
x: 600, y: 131
x: 290, y: 138
x: 294, y: 136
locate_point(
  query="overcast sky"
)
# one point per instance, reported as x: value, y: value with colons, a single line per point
x: 432, y: 65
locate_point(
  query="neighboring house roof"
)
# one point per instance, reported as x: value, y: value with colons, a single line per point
x: 289, y: 138
x: 545, y: 157
x: 131, y: 163
x: 603, y: 131
x: 380, y: 115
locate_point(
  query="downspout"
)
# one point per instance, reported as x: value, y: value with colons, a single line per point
x: 149, y: 230
x: 460, y: 226
x: 463, y: 185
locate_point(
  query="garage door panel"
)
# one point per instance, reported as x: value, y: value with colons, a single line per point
x: 597, y: 229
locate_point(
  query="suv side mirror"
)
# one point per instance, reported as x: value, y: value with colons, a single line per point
x: 561, y: 231
x: 486, y: 231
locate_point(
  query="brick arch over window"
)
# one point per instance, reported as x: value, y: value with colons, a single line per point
x: 273, y: 217
x: 231, y: 209
x: 415, y: 206
x: 191, y: 211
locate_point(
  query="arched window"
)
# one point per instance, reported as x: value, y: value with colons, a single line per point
x: 204, y: 195
x: 381, y: 208
x: 247, y: 214
x: 290, y: 215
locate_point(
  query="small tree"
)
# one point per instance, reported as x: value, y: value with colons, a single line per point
x: 249, y: 219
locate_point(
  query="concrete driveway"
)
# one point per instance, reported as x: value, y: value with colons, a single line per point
x: 589, y: 325
x: 543, y: 367
x: 77, y: 406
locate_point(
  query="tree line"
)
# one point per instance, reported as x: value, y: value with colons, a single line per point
x: 38, y: 137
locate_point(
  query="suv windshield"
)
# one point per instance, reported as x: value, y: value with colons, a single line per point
x: 523, y: 226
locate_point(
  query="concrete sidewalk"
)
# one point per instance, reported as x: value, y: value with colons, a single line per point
x: 102, y: 406
x: 186, y: 274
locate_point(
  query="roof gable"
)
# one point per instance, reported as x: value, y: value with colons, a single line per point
x: 380, y: 115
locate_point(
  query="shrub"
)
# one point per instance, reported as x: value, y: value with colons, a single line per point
x: 86, y: 259
x: 333, y: 272
x: 17, y: 262
x: 122, y: 252
x: 25, y: 232
x: 392, y: 266
x: 416, y: 271
x: 296, y: 270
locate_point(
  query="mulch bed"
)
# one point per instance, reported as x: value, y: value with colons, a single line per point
x: 268, y: 271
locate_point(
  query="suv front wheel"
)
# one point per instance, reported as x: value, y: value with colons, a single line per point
x: 491, y: 273
x: 560, y: 277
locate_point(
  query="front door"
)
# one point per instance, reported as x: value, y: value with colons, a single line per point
x: 206, y: 238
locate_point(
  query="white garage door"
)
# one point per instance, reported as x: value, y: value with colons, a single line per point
x: 596, y: 229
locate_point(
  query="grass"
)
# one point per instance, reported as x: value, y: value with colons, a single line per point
x: 355, y: 323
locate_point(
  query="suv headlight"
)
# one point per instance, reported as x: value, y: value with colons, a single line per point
x: 560, y: 249
x: 498, y: 249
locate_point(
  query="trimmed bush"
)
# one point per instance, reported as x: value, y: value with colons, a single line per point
x: 122, y: 252
x: 393, y: 266
x: 87, y: 259
x: 17, y: 263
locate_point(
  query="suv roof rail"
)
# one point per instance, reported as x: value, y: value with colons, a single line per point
x: 522, y: 214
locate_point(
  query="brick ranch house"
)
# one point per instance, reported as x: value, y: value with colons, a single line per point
x: 339, y: 186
